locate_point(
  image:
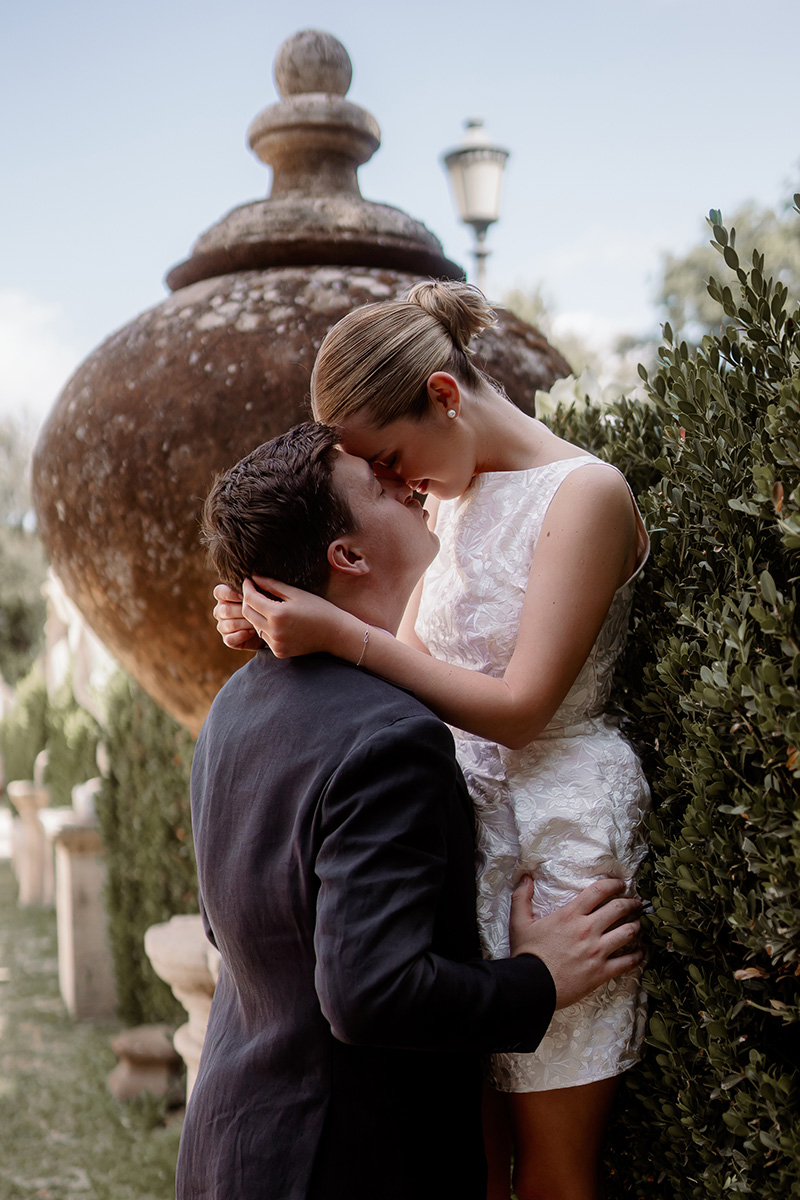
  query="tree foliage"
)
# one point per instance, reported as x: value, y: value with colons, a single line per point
x: 56, y: 724
x: 23, y: 569
x: 23, y: 566
x: 23, y: 730
x: 683, y: 292
x: 535, y: 307
x: 710, y: 687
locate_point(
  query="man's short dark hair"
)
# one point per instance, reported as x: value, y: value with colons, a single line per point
x: 276, y: 512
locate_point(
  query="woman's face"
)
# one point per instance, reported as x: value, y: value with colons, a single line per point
x: 424, y: 455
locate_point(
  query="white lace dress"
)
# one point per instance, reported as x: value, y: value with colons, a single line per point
x: 570, y: 806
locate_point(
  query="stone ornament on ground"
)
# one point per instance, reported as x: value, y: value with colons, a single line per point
x: 148, y: 1063
x: 178, y: 953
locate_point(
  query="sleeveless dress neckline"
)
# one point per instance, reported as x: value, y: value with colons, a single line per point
x: 476, y: 484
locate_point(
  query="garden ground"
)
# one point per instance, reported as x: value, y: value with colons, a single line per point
x: 64, y: 1137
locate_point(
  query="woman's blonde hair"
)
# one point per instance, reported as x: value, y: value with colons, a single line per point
x: 378, y: 359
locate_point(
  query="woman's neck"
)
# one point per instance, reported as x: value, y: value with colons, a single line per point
x: 506, y: 438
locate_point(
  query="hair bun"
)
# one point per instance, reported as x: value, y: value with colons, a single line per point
x: 460, y: 307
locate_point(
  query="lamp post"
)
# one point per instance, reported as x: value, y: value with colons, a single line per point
x: 476, y: 170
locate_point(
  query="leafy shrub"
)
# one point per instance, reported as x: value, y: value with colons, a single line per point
x: 23, y: 569
x: 23, y: 730
x: 72, y: 738
x: 145, y: 822
x: 60, y: 726
x: 709, y: 684
x: 143, y: 811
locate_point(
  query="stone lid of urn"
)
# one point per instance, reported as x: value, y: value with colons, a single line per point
x: 315, y: 140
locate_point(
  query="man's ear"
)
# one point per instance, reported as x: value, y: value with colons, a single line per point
x: 346, y: 560
x: 445, y: 394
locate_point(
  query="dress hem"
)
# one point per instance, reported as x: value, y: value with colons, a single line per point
x: 607, y: 1074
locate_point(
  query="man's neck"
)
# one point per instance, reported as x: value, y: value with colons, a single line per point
x: 383, y: 611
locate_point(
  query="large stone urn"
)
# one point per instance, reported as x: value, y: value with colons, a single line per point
x: 187, y: 388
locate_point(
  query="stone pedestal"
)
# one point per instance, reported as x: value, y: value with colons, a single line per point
x: 178, y: 951
x: 17, y: 840
x: 148, y: 1062
x: 31, y: 851
x: 83, y: 800
x: 52, y: 821
x: 85, y: 973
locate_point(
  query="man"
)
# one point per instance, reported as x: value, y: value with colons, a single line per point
x: 334, y: 847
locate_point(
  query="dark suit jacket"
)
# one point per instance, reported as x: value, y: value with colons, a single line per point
x: 334, y: 842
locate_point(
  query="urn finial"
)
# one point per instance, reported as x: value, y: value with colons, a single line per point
x: 311, y: 61
x: 313, y: 138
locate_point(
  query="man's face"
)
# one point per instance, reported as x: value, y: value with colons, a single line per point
x: 392, y: 532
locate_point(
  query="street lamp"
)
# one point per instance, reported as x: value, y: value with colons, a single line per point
x: 476, y: 170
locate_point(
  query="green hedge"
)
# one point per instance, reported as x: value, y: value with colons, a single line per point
x: 23, y: 730
x: 145, y: 822
x: 23, y: 569
x: 60, y: 726
x: 72, y: 738
x: 143, y: 810
x: 709, y: 684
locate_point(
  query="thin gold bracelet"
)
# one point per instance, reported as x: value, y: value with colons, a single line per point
x: 364, y: 649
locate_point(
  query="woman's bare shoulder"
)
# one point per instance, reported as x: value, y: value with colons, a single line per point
x: 595, y: 483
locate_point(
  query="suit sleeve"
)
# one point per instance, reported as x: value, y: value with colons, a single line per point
x: 381, y: 867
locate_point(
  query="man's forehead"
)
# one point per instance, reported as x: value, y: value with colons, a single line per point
x: 353, y: 476
x: 352, y: 464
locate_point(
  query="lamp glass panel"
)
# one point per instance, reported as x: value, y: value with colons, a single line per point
x: 483, y: 177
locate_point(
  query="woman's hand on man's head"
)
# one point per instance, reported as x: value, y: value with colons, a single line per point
x: 235, y: 630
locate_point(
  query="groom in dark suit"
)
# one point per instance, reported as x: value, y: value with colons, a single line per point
x: 335, y: 857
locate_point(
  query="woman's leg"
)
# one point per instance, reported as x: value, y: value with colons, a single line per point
x: 558, y: 1138
x: 497, y: 1141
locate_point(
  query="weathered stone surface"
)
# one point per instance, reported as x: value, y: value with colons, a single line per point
x: 145, y: 1042
x: 85, y: 972
x: 129, y: 452
x: 148, y: 1062
x: 314, y: 230
x: 31, y: 851
x: 312, y: 61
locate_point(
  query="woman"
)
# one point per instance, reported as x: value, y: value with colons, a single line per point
x: 511, y: 639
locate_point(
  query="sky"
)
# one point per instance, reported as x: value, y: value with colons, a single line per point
x: 626, y: 120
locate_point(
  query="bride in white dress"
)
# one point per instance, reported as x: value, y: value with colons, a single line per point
x: 512, y: 640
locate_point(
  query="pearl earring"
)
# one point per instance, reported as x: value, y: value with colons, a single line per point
x: 451, y: 412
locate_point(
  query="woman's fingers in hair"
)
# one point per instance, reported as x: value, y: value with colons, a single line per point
x: 227, y: 595
x: 228, y: 612
x: 270, y: 589
x: 259, y: 604
x: 243, y: 639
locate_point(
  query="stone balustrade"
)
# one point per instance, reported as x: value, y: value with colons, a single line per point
x: 179, y: 953
x: 147, y: 1062
x: 85, y: 970
x: 31, y: 854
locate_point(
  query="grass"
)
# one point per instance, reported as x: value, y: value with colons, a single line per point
x: 63, y: 1136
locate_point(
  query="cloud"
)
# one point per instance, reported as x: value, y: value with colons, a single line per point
x: 37, y: 355
x: 600, y: 332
